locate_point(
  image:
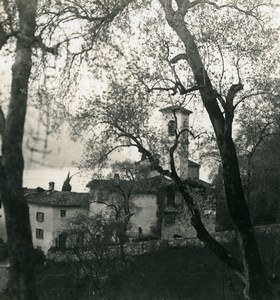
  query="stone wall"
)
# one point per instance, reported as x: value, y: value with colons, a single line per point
x: 139, y: 248
x: 181, y: 223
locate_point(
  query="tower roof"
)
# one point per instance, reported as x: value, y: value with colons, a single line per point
x: 175, y: 108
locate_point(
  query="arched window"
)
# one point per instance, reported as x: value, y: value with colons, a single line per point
x: 171, y: 128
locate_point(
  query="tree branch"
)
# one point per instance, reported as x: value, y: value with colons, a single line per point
x: 202, y: 233
x: 252, y: 95
x: 178, y: 57
x: 4, y: 36
x: 38, y: 43
x: 263, y: 135
x: 251, y: 12
x: 2, y: 123
x: 233, y: 90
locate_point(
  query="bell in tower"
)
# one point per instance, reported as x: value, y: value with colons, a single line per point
x: 175, y: 124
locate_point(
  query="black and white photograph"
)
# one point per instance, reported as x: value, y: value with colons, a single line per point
x: 139, y: 149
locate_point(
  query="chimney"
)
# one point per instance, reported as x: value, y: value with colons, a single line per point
x: 51, y: 186
x: 117, y: 178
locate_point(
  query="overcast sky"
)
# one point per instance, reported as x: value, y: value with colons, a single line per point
x: 64, y: 152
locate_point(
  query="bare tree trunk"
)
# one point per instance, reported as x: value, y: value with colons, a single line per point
x: 256, y: 284
x: 22, y: 281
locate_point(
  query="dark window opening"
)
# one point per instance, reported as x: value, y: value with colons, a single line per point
x: 40, y: 217
x: 63, y: 213
x: 39, y: 233
x: 171, y: 128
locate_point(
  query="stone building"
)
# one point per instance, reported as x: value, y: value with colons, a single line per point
x: 142, y: 199
x: 50, y: 212
x: 156, y: 208
x: 176, y: 216
x: 155, y: 204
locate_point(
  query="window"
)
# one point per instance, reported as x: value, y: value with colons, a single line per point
x: 39, y: 233
x: 171, y: 128
x: 63, y: 213
x: 40, y: 217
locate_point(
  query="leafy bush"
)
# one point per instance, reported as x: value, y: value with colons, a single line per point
x: 38, y: 257
x: 149, y: 237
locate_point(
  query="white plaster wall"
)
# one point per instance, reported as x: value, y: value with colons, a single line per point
x: 47, y: 226
x: 98, y: 208
x: 145, y: 213
x: 143, y: 205
x: 182, y: 121
x: 60, y: 224
x: 53, y: 223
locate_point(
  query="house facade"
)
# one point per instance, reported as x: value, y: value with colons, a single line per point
x: 153, y: 204
x: 176, y: 217
x: 156, y: 207
x: 50, y: 212
x: 137, y: 199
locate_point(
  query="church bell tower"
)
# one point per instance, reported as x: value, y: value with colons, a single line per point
x: 175, y: 122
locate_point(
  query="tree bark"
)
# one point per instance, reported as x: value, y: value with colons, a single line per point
x: 22, y: 279
x: 257, y: 286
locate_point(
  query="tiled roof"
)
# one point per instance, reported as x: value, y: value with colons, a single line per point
x: 57, y: 198
x: 109, y: 184
x: 152, y: 184
x: 149, y: 185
